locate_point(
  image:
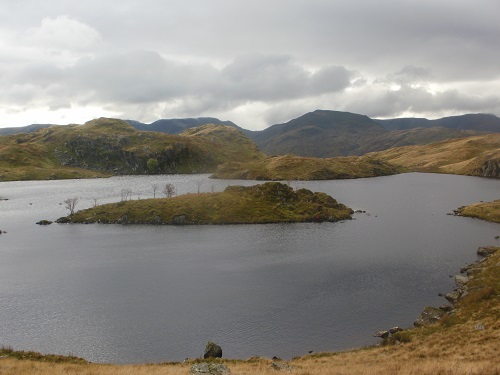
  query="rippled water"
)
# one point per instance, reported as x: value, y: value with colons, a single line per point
x: 126, y: 294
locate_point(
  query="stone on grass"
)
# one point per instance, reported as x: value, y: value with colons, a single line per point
x: 209, y: 368
x: 212, y: 350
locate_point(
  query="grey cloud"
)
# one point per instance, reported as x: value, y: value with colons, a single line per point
x: 144, y: 77
x: 182, y: 57
x: 390, y: 103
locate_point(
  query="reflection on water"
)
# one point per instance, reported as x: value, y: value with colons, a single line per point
x: 126, y: 294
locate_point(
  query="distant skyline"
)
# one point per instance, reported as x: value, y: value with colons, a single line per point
x: 255, y: 63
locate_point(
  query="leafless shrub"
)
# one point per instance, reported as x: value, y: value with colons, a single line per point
x: 126, y: 194
x: 70, y: 204
x: 169, y: 190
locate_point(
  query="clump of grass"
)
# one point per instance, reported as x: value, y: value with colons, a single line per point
x: 35, y: 356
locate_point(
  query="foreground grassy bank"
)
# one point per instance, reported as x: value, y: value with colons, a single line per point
x: 272, y: 202
x: 466, y: 342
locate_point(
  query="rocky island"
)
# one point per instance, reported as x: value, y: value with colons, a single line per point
x: 271, y: 202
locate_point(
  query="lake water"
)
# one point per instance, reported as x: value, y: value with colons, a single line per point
x: 128, y: 294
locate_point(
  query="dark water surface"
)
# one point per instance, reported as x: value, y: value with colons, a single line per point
x: 127, y: 294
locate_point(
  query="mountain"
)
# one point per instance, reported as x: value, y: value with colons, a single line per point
x: 472, y: 156
x: 331, y: 133
x: 108, y: 146
x: 478, y: 122
x: 24, y: 129
x: 320, y: 134
x: 177, y: 126
x: 326, y: 134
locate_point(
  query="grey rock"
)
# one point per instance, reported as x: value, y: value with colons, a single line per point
x: 453, y: 297
x: 179, y: 219
x: 446, y: 308
x: 210, y: 368
x: 461, y: 280
x: 382, y: 334
x: 393, y: 330
x: 430, y: 315
x: 281, y: 366
x: 487, y: 250
x: 122, y: 220
x: 44, y: 222
x: 480, y: 327
x: 212, y: 350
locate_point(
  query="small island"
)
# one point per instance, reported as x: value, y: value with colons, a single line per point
x: 271, y: 202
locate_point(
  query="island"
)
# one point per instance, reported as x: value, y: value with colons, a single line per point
x: 271, y: 202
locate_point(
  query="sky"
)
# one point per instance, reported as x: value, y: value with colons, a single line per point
x: 256, y: 63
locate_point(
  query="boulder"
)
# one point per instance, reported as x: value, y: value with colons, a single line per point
x: 487, y: 250
x: 393, y: 330
x: 430, y: 315
x: 453, y: 297
x: 446, y: 308
x: 281, y: 366
x: 382, y: 334
x: 461, y: 280
x: 44, y: 222
x: 212, y: 350
x: 209, y: 368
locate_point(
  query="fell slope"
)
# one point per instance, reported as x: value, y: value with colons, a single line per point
x: 475, y: 121
x: 332, y: 133
x: 472, y: 156
x: 319, y: 134
x: 103, y: 147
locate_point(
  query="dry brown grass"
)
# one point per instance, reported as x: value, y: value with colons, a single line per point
x: 455, y: 156
x: 486, y: 211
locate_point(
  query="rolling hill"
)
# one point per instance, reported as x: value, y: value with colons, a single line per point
x: 103, y: 147
x: 472, y: 156
x: 477, y: 121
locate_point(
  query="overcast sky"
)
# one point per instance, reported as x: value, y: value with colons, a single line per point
x: 256, y: 63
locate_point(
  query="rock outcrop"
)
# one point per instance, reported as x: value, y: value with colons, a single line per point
x: 210, y: 369
x: 212, y: 350
x: 430, y: 315
x: 491, y: 168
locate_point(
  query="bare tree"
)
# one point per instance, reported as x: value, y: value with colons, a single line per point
x: 71, y: 204
x: 155, y: 187
x: 95, y: 202
x: 198, y: 184
x: 169, y: 190
x: 126, y: 194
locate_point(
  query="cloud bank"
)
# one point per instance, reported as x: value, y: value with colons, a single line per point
x: 255, y: 63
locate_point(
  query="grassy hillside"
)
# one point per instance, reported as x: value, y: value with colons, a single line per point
x: 103, y: 147
x: 411, y: 137
x: 271, y: 202
x: 474, y: 121
x: 290, y: 167
x: 472, y: 156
